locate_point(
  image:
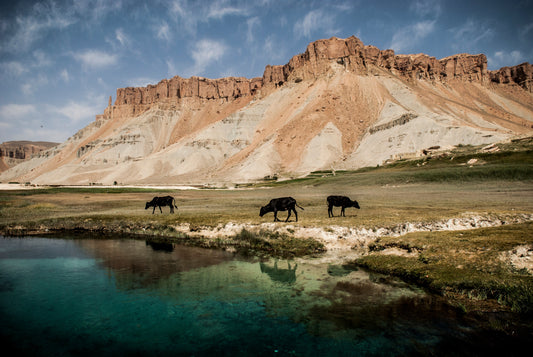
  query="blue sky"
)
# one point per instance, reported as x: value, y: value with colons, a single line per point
x: 61, y: 60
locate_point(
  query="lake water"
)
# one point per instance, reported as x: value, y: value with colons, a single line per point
x: 94, y: 297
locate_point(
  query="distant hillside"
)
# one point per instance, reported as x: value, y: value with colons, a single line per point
x: 14, y: 152
x: 339, y: 105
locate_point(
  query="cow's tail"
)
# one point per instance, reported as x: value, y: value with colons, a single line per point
x: 297, y: 205
x: 174, y: 202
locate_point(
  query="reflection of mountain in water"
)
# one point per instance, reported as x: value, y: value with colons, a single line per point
x: 137, y: 264
x: 189, y: 275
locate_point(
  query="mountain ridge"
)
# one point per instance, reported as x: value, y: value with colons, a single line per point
x: 320, y: 110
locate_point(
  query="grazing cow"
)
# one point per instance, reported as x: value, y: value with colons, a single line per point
x: 280, y: 204
x: 341, y: 201
x: 162, y: 201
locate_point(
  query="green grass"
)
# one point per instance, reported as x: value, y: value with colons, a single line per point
x: 274, y: 244
x: 514, y: 162
x: 467, y: 263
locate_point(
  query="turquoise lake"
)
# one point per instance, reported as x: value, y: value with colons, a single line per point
x: 120, y: 297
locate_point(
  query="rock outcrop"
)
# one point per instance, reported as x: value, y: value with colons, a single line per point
x: 521, y: 74
x: 177, y: 87
x: 356, y: 57
x: 15, y: 152
x: 139, y: 99
x: 23, y: 150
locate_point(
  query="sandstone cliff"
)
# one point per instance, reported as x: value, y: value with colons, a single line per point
x: 14, y: 152
x: 340, y: 105
x: 356, y: 57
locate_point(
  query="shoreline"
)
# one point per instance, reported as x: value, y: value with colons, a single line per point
x: 342, y: 244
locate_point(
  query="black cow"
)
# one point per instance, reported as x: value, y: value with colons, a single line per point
x: 341, y: 201
x: 162, y: 201
x: 280, y: 204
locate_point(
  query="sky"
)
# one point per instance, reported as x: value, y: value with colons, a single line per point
x: 61, y: 60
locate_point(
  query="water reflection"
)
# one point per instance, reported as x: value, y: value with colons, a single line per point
x: 160, y: 246
x: 137, y: 264
x: 281, y: 275
x: 106, y: 297
x: 341, y: 270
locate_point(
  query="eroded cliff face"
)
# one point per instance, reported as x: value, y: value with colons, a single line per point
x: 340, y: 104
x: 521, y: 74
x: 13, y: 153
x: 356, y: 57
x: 133, y: 101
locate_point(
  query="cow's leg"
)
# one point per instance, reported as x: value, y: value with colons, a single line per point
x: 160, y: 209
x: 330, y: 211
x: 295, y: 214
x: 153, y: 210
x: 288, y: 215
x: 171, y: 208
x: 342, y: 212
x: 276, y: 216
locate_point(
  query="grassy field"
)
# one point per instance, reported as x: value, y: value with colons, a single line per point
x: 448, y: 185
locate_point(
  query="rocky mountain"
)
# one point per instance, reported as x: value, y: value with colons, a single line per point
x: 13, y: 153
x: 339, y: 105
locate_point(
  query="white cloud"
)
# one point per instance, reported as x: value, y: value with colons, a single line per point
x: 177, y: 7
x: 14, y: 68
x: 30, y: 87
x: 77, y: 112
x: 251, y: 23
x: 41, y: 59
x: 186, y: 18
x: 472, y: 31
x: 38, y: 132
x: 30, y: 28
x: 163, y: 32
x: 505, y: 59
x: 429, y: 8
x: 272, y: 50
x: 141, y: 82
x: 16, y: 111
x: 206, y: 52
x: 92, y: 11
x: 407, y: 37
x: 171, y: 68
x: 95, y: 59
x: 188, y: 14
x: 64, y: 76
x: 315, y: 21
x: 121, y: 37
x: 526, y: 29
x: 219, y: 9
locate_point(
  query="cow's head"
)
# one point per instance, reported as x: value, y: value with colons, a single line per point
x: 356, y: 205
x: 263, y: 211
x: 148, y: 204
